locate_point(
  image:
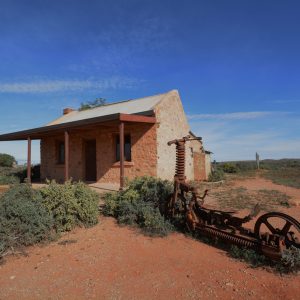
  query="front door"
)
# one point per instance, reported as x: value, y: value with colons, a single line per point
x: 90, y: 161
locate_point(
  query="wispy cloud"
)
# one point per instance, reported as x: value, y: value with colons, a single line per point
x: 120, y: 48
x: 47, y: 86
x: 232, y: 138
x: 235, y: 115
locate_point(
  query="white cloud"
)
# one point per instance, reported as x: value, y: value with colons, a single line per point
x: 234, y: 116
x: 239, y: 139
x: 46, y: 86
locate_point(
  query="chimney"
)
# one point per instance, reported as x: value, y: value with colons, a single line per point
x: 68, y: 110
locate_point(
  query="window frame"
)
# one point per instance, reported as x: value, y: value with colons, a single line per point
x: 127, y: 137
x: 60, y: 153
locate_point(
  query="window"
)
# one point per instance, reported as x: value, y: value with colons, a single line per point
x: 60, y: 153
x: 127, y: 147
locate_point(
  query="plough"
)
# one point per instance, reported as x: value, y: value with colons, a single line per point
x: 273, y: 232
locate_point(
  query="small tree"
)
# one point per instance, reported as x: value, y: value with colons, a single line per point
x: 92, y: 104
x: 6, y: 160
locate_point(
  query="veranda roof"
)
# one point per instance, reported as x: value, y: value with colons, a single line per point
x: 137, y: 110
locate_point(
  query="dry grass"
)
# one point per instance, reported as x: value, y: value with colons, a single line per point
x: 241, y: 198
x: 287, y: 176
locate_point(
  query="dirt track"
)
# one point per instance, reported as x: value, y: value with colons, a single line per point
x: 112, y: 262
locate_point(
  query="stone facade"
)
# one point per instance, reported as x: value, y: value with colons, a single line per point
x: 207, y: 166
x: 199, y: 166
x: 143, y: 151
x: 172, y: 124
x: 149, y: 150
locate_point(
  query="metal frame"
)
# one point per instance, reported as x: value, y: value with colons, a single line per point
x: 187, y: 204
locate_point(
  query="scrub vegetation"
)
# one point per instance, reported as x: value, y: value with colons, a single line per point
x: 11, y: 173
x: 241, y: 198
x: 29, y: 216
x: 139, y: 205
x: 284, y: 171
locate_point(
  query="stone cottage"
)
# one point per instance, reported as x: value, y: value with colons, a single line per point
x: 117, y: 140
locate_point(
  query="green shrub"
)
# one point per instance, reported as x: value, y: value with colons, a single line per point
x: 6, y: 160
x: 248, y: 255
x: 229, y: 168
x: 71, y: 205
x: 216, y: 175
x: 152, y: 222
x: 290, y: 261
x: 234, y: 167
x: 8, y: 175
x: 151, y: 189
x: 139, y: 205
x: 9, y: 179
x: 88, y: 203
x: 23, y: 219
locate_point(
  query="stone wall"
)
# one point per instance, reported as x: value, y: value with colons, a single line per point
x: 172, y: 124
x: 144, y: 154
x: 199, y: 166
x: 207, y: 165
x: 143, y: 151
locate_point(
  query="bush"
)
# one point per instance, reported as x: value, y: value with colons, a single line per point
x: 8, y: 175
x: 71, y: 205
x: 23, y: 219
x: 139, y: 205
x: 151, y: 189
x: 6, y: 160
x: 229, y: 168
x: 290, y: 261
x: 9, y: 179
x: 248, y: 255
x: 216, y: 175
x: 237, y: 166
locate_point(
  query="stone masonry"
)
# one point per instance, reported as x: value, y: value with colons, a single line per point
x: 150, y: 153
x: 144, y: 154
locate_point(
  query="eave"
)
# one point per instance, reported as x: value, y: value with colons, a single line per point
x: 38, y: 133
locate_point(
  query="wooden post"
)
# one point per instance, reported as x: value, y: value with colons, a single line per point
x: 67, y: 155
x: 29, y: 161
x: 122, y: 155
x: 257, y: 160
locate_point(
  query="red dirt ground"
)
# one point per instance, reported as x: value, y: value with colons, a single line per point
x: 113, y: 262
x: 260, y: 183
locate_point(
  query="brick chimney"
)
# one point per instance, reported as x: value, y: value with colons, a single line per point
x: 67, y: 110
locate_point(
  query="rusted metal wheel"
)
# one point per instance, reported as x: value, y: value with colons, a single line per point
x: 276, y: 223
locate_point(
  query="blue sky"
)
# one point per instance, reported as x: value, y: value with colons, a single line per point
x: 235, y: 63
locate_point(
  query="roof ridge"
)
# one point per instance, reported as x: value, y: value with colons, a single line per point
x: 125, y: 106
x: 122, y: 101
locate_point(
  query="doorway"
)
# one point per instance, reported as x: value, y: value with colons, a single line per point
x: 90, y: 160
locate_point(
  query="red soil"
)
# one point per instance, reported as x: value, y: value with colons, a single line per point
x: 260, y: 183
x: 113, y: 262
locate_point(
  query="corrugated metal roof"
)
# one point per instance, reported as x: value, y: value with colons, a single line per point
x: 127, y: 107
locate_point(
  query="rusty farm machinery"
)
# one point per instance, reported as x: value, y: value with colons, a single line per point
x: 273, y: 232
